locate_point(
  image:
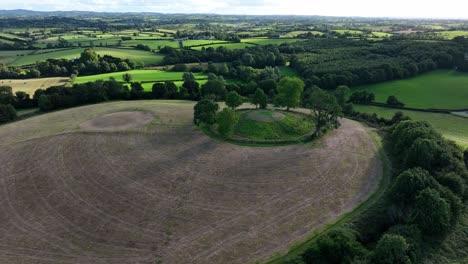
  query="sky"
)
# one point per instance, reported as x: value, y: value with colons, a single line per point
x: 363, y: 8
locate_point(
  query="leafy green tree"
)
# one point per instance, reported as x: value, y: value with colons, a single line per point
x: 341, y: 94
x: 7, y: 113
x: 413, y: 237
x: 159, y: 91
x: 127, y: 77
x: 393, y: 101
x: 233, y: 100
x: 391, y: 249
x: 44, y: 103
x: 259, y: 99
x: 289, y: 92
x: 223, y: 69
x: 324, y: 109
x: 425, y: 153
x: 136, y: 87
x: 205, y: 112
x: 227, y: 120
x: 6, y: 95
x: 191, y: 85
x: 337, y: 246
x: 409, y: 183
x: 171, y: 89
x: 215, y: 87
x: 88, y: 55
x: 432, y: 212
x: 454, y: 182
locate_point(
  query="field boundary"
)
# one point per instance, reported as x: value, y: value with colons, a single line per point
x: 428, y: 110
x: 299, y: 247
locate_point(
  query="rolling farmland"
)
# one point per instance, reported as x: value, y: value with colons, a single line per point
x: 181, y: 197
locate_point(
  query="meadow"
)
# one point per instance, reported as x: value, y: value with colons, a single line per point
x: 452, y: 34
x: 146, y: 57
x: 441, y: 89
x: 268, y: 41
x: 140, y: 76
x: 450, y: 126
x: 226, y: 45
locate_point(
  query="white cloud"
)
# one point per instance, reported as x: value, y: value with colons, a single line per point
x: 394, y: 8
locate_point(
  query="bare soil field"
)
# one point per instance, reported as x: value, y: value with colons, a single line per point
x: 161, y: 191
x: 31, y: 85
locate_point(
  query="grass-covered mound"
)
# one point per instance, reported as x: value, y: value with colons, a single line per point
x: 272, y: 125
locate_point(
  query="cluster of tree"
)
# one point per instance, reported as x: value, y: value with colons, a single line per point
x: 393, y: 101
x: 89, y: 63
x: 362, y: 97
x: 329, y: 63
x: 375, y: 120
x: 206, y: 113
x: 422, y: 205
x: 8, y: 102
x: 257, y: 57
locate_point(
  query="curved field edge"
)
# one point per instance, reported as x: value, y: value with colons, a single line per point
x: 299, y: 247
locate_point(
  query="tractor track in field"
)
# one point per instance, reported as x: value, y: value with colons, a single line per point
x: 164, y: 192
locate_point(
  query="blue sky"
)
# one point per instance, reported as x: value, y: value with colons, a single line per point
x: 388, y: 8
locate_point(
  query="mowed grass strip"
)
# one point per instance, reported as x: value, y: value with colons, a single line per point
x: 140, y: 76
x: 451, y: 126
x: 441, y: 89
x: 136, y: 55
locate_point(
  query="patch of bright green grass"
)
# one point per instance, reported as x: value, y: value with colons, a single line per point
x: 267, y: 41
x: 132, y: 54
x: 452, y: 34
x: 226, y: 45
x: 442, y: 89
x: 290, y: 127
x: 450, y: 126
x: 140, y: 76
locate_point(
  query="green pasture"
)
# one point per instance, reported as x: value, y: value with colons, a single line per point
x: 132, y: 54
x: 452, y: 34
x: 441, y: 89
x: 451, y: 126
x: 352, y: 32
x: 268, y: 41
x: 226, y: 45
x: 140, y: 76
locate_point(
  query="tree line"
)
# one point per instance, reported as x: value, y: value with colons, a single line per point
x: 88, y: 63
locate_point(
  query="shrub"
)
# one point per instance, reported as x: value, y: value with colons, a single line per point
x: 391, y: 249
x: 454, y: 182
x: 409, y: 183
x: 393, y: 101
x: 432, y: 212
x: 227, y: 120
x: 44, y: 103
x: 337, y: 246
x: 7, y: 113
